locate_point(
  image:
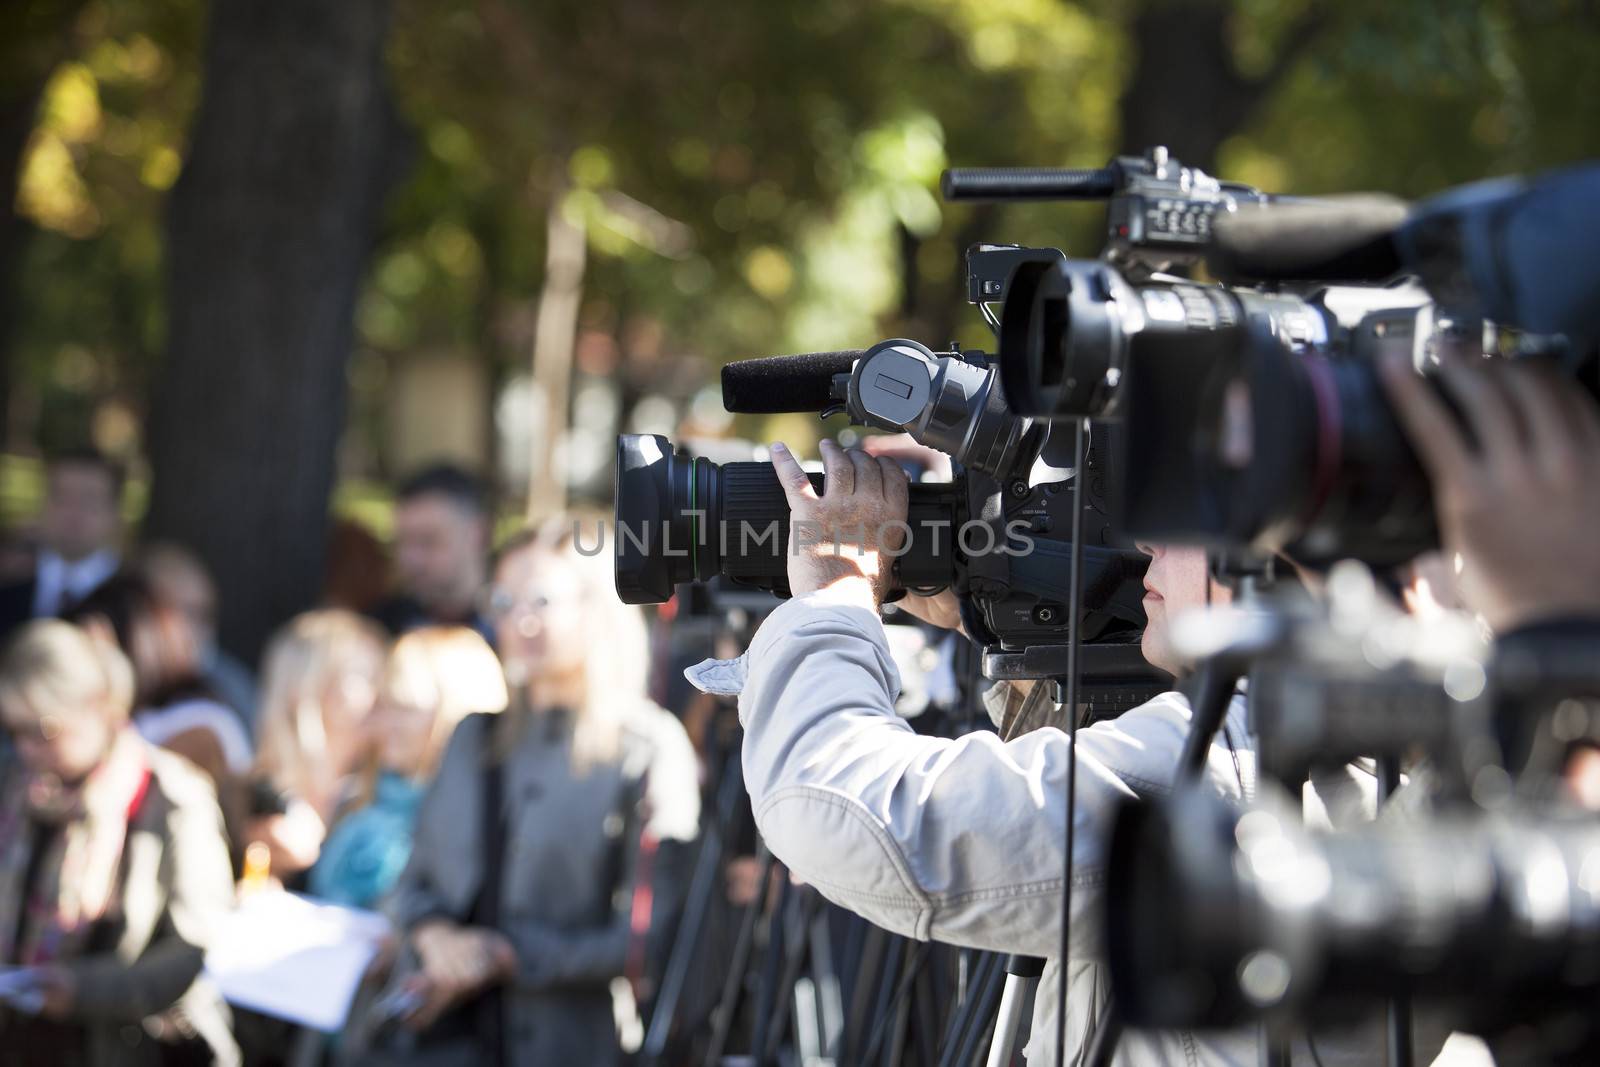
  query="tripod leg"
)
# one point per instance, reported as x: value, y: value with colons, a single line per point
x: 1274, y: 1047
x: 883, y: 1004
x: 956, y: 1034
x: 1398, y: 1022
x: 825, y: 973
x: 1022, y: 978
x: 873, y: 954
x: 925, y: 1014
x: 1106, y: 1038
x: 795, y: 947
x: 1210, y: 690
x: 701, y: 888
x: 1009, y: 1021
x: 985, y: 999
x: 728, y: 1006
x: 767, y: 984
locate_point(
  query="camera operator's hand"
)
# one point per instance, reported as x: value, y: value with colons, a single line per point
x: 843, y: 541
x: 1522, y: 504
x: 942, y: 609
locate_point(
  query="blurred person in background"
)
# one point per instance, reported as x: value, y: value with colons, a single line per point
x: 434, y: 678
x: 178, y: 578
x: 80, y: 536
x: 174, y: 707
x: 356, y: 575
x: 441, y: 547
x: 518, y: 905
x: 18, y: 557
x: 319, y: 680
x: 113, y: 867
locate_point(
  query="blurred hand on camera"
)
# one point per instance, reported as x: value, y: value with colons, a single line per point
x: 844, y: 539
x: 1517, y: 491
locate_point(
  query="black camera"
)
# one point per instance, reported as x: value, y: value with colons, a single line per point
x: 1489, y: 922
x: 996, y: 539
x: 998, y: 533
x: 1254, y: 411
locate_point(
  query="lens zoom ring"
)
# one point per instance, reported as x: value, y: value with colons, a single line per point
x: 754, y: 528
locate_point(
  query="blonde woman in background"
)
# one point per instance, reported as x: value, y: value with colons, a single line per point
x: 517, y: 904
x: 113, y: 867
x: 433, y: 678
x: 320, y: 678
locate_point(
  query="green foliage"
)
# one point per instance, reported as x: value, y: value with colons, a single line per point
x: 752, y: 177
x: 106, y: 148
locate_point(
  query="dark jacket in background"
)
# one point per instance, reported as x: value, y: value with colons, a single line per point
x: 16, y: 604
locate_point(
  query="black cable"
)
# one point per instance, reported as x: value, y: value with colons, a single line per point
x: 1311, y: 1044
x: 1075, y: 607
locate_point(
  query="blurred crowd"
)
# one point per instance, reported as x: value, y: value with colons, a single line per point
x: 460, y: 737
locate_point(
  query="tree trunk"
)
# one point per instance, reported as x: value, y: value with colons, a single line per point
x: 270, y: 228
x: 1186, y: 91
x: 555, y: 337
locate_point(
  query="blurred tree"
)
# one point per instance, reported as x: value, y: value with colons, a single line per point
x: 105, y: 149
x: 37, y: 40
x: 271, y: 223
x: 1187, y: 89
x: 747, y: 178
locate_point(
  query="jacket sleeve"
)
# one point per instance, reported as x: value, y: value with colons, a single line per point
x: 662, y: 814
x: 958, y: 840
x: 199, y: 885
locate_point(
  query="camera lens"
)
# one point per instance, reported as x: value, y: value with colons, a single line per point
x: 1216, y: 915
x: 1308, y: 455
x: 1061, y: 339
x: 682, y: 518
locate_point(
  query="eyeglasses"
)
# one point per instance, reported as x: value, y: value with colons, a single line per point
x: 501, y: 603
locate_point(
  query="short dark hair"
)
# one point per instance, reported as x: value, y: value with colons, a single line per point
x: 88, y: 456
x: 457, y: 485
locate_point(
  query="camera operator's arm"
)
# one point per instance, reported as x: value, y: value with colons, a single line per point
x: 1516, y: 485
x: 960, y: 840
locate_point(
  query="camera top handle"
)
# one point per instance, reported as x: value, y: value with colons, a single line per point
x: 1028, y: 183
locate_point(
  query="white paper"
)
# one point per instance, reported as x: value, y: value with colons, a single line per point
x: 294, y: 957
x: 19, y: 988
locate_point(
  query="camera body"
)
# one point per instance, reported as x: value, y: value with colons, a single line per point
x: 998, y: 542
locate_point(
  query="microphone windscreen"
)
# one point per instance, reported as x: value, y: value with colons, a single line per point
x: 1337, y: 239
x: 784, y: 383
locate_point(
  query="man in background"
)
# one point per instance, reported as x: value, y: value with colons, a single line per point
x: 178, y: 577
x: 441, y: 546
x: 80, y: 533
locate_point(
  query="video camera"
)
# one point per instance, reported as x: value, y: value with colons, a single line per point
x: 1254, y: 414
x: 998, y: 533
x: 1244, y: 414
x: 1255, y: 424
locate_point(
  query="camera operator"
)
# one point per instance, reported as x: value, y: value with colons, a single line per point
x: 962, y: 840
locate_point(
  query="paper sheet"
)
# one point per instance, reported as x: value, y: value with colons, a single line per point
x: 294, y: 957
x: 19, y: 989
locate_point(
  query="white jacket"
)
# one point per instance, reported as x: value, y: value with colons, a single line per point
x: 962, y: 841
